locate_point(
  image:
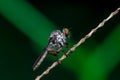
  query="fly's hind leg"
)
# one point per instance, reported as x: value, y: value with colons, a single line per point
x: 54, y: 53
x: 68, y: 47
x: 57, y: 59
x: 64, y: 52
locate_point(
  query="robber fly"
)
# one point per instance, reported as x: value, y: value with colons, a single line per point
x: 57, y: 40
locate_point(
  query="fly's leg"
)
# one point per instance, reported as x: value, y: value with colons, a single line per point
x: 57, y: 59
x: 63, y: 51
x: 54, y: 53
x: 67, y: 46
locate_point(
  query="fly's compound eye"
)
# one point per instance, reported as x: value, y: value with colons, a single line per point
x: 66, y: 32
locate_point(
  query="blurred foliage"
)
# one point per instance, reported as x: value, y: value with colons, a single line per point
x: 26, y: 24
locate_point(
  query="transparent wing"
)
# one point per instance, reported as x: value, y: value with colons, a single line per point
x: 40, y: 59
x: 43, y: 54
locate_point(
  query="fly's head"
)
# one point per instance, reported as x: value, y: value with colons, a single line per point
x: 66, y: 32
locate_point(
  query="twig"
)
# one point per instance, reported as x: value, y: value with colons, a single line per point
x: 78, y: 44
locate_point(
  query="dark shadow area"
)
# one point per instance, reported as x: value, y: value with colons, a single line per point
x: 81, y: 16
x: 15, y: 53
x: 115, y: 74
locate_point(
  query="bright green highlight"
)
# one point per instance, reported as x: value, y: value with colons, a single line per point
x: 27, y: 19
x: 104, y: 59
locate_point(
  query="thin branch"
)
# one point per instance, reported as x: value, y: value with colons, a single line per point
x: 78, y: 44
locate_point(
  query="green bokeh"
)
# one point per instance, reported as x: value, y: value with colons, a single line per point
x: 27, y: 19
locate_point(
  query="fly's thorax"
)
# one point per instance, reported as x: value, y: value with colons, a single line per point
x: 57, y: 40
x: 55, y: 33
x: 54, y: 47
x: 61, y: 38
x: 58, y: 37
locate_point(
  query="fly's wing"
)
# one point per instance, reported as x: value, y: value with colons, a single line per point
x: 40, y: 59
x: 43, y: 54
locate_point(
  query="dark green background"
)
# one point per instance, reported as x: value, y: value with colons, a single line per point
x: 26, y: 24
